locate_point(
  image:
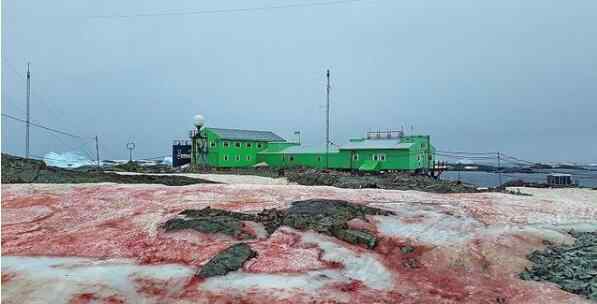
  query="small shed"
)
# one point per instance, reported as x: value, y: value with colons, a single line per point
x: 559, y: 179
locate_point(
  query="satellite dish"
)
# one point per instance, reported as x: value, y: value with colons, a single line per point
x: 199, y: 121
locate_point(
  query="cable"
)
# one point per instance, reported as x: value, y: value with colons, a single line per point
x: 53, y: 110
x: 466, y: 157
x: 223, y: 11
x: 518, y: 159
x: 468, y: 153
x: 42, y: 126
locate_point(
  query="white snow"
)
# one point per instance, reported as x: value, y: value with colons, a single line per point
x: 364, y: 267
x: 431, y: 227
x: 58, y: 279
x: 357, y: 266
x: 223, y: 178
x: 284, y: 284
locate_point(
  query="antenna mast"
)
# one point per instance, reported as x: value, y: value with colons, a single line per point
x: 327, y: 121
x: 28, y: 112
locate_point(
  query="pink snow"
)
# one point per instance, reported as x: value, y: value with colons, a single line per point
x: 103, y: 243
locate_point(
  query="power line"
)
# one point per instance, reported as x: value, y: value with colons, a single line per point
x: 466, y: 157
x: 82, y: 147
x: 54, y: 110
x: 467, y: 153
x: 224, y: 11
x: 42, y: 126
x: 520, y: 160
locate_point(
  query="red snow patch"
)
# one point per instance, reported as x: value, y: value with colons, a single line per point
x: 83, y: 298
x: 113, y: 300
x: 29, y: 201
x: 11, y: 216
x: 285, y: 252
x: 164, y: 251
x: 354, y: 285
x: 114, y: 221
x: 404, y: 258
x: 8, y: 276
x: 151, y: 287
x: 87, y: 298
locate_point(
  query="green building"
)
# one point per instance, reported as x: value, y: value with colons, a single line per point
x: 232, y: 148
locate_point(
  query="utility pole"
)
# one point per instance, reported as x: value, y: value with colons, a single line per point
x: 499, y: 159
x: 97, y: 152
x: 327, y: 122
x: 28, y: 112
x: 131, y: 147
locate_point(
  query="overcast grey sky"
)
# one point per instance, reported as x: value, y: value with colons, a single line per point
x: 514, y: 76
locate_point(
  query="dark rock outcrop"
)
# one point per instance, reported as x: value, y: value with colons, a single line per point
x: 230, y: 259
x: 572, y: 267
x: 18, y: 170
x: 392, y: 181
x: 324, y: 216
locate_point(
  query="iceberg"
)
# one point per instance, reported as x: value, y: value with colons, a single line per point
x: 67, y: 160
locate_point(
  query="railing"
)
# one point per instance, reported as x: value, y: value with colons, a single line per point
x: 181, y: 142
x: 389, y: 134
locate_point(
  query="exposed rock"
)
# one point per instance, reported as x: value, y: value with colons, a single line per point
x: 230, y: 259
x: 16, y: 170
x: 572, y: 267
x: 217, y: 224
x: 393, y: 181
x: 522, y: 183
x: 357, y: 237
x: 324, y: 216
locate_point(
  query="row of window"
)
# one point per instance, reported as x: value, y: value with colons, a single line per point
x: 380, y: 157
x: 355, y: 157
x: 237, y: 144
x: 237, y: 157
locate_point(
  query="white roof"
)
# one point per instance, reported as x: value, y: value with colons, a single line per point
x: 559, y: 174
x: 386, y: 144
x: 309, y: 149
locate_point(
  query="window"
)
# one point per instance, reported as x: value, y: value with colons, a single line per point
x: 226, y: 157
x: 259, y: 145
x: 212, y: 144
x: 248, y: 145
x: 238, y: 157
x: 226, y: 144
x: 237, y: 144
x: 248, y: 157
x: 380, y: 157
x: 355, y: 156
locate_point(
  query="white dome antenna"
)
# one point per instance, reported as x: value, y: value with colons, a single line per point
x: 198, y: 121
